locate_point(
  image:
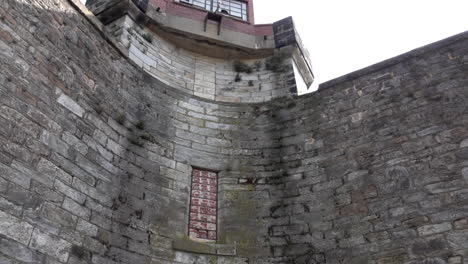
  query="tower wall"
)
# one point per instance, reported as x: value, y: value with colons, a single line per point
x: 97, y: 155
x: 200, y: 75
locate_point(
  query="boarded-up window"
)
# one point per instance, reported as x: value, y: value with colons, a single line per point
x: 203, y: 205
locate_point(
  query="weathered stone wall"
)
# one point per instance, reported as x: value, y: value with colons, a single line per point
x: 374, y: 164
x: 203, y: 76
x: 96, y: 157
x: 96, y: 154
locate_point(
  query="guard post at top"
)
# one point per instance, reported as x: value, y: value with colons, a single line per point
x: 216, y: 33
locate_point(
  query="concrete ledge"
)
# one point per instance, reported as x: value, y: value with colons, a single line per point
x: 191, y: 246
x: 395, y: 60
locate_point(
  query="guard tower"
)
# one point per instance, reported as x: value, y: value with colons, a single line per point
x: 209, y: 48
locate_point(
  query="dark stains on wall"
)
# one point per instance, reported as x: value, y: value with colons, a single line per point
x: 372, y: 169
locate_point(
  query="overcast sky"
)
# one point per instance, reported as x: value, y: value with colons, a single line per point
x: 343, y: 36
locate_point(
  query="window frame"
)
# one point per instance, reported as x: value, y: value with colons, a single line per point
x: 242, y: 12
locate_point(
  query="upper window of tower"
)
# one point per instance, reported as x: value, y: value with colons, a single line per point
x: 234, y: 8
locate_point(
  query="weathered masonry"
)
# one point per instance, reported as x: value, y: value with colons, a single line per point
x: 210, y: 49
x: 125, y: 138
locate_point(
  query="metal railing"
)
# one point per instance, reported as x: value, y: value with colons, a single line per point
x: 233, y: 8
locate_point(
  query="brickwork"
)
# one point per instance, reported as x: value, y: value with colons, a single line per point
x: 204, y: 205
x: 96, y: 158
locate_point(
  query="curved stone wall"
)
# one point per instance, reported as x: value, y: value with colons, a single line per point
x: 96, y: 158
x: 202, y: 76
x: 97, y: 155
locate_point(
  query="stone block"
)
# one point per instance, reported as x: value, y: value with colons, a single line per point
x: 72, y: 169
x: 45, y: 193
x: 25, y: 125
x: 124, y: 256
x: 220, y: 126
x: 115, y: 147
x: 465, y: 174
x: 103, y: 127
x: 92, y: 169
x: 76, y: 209
x: 190, y: 136
x: 69, y: 192
x: 464, y: 143
x: 75, y: 142
x: 45, y: 179
x: 351, y: 242
x: 17, y: 151
x: 14, y: 228
x: 449, y: 215
x: 446, y: 186
x: 100, y: 137
x: 434, y: 229
x: 9, y: 207
x: 333, y: 184
x: 3, y: 185
x: 396, y: 259
x: 58, y: 215
x: 203, y: 116
x: 461, y: 224
x: 455, y: 260
x: 416, y: 221
x: 19, y: 252
x: 288, y: 230
x: 71, y: 105
x: 462, y: 153
x: 86, y: 228
x: 15, y: 176
x: 429, y: 246
x: 191, y: 107
x: 37, y: 147
x: 364, y: 192
x: 458, y: 240
x: 48, y: 168
x: 101, y: 221
x: 54, y: 143
x: 50, y: 245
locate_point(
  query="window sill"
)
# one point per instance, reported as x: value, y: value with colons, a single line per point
x: 188, y: 245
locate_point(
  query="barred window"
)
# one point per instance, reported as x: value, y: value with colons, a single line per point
x: 233, y: 8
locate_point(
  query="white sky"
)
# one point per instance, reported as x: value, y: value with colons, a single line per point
x: 346, y: 35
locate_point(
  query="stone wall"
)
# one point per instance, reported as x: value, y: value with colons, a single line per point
x: 97, y: 155
x: 374, y: 164
x: 205, y: 77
